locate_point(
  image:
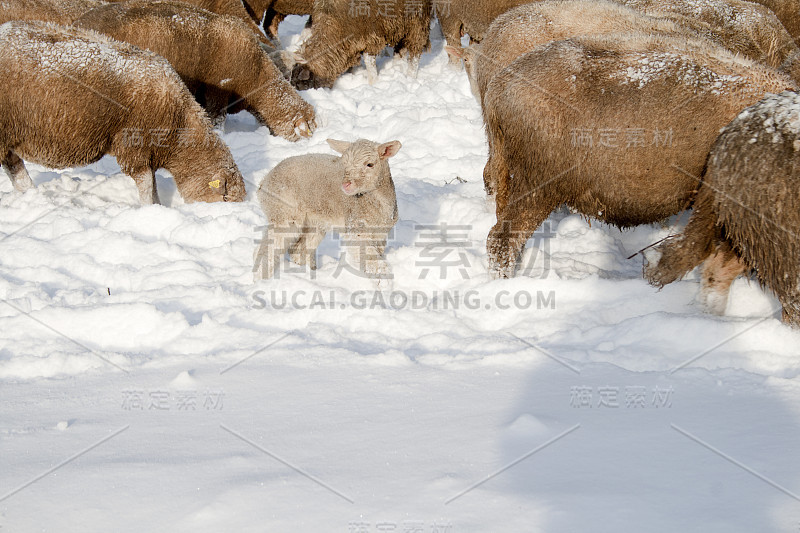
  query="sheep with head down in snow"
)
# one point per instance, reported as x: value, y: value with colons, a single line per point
x: 747, y: 213
x: 306, y: 196
x: 344, y: 30
x: 218, y: 58
x: 70, y: 96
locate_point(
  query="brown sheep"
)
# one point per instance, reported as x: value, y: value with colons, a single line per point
x: 617, y: 127
x: 740, y: 26
x: 72, y: 96
x: 232, y: 8
x: 343, y: 30
x: 788, y: 12
x: 218, y: 58
x: 57, y: 11
x: 473, y: 17
x: 747, y: 214
x: 522, y: 29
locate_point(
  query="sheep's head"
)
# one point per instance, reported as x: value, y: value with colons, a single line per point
x: 226, y: 185
x: 366, y: 165
x: 470, y: 57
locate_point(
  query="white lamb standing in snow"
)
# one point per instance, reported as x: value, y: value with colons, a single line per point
x: 306, y: 196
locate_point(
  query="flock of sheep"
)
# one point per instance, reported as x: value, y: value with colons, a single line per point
x: 697, y: 95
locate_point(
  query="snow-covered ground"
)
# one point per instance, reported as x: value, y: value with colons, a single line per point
x: 147, y: 384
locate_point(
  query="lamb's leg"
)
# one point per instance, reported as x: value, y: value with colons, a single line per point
x: 372, y: 68
x: 274, y: 243
x: 719, y: 271
x: 17, y: 172
x: 516, y: 222
x: 146, y: 183
x: 692, y: 247
x: 365, y: 251
x: 304, y: 251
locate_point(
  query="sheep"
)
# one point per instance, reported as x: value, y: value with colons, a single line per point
x: 617, y: 127
x: 343, y: 30
x: 788, y: 12
x: 232, y: 8
x: 72, y: 96
x: 747, y: 28
x: 472, y: 17
x: 522, y: 29
x: 56, y: 11
x: 306, y: 196
x: 217, y: 57
x: 747, y: 214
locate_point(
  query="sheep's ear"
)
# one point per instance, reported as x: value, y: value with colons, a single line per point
x: 339, y: 146
x: 298, y: 59
x: 454, y: 51
x: 390, y: 149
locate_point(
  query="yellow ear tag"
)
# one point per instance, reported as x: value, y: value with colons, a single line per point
x: 214, y: 184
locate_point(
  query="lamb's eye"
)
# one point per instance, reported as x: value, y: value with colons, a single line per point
x: 370, y: 165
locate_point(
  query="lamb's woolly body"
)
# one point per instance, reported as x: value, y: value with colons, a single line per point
x: 56, y: 11
x: 217, y: 57
x: 749, y: 204
x: 303, y: 199
x: 537, y: 107
x: 343, y: 30
x: 73, y: 96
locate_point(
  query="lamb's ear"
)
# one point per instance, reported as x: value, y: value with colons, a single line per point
x: 390, y: 149
x: 339, y: 146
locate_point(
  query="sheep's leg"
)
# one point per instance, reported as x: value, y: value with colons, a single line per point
x: 791, y: 308
x: 516, y: 222
x: 304, y: 250
x: 413, y: 66
x: 216, y: 105
x: 372, y: 68
x: 692, y: 247
x: 719, y: 271
x: 146, y: 183
x: 17, y: 172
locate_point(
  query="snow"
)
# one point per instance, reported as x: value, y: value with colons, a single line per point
x: 147, y: 384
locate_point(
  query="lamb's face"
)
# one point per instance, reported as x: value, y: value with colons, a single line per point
x: 365, y: 164
x: 363, y: 168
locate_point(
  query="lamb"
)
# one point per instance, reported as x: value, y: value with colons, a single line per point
x: 472, y: 17
x: 522, y: 29
x: 617, y: 127
x: 72, y: 96
x: 57, y: 11
x: 217, y: 57
x: 343, y: 30
x: 747, y: 214
x: 306, y: 196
